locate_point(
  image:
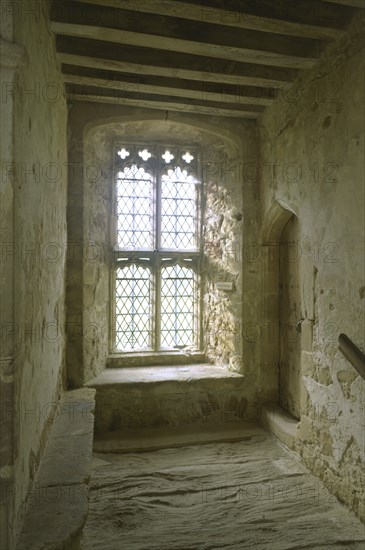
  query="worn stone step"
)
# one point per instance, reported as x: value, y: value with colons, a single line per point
x: 141, y: 397
x: 151, y: 439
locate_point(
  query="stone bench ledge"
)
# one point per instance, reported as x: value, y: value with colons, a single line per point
x: 163, y: 373
x: 58, y: 502
x: 146, y: 397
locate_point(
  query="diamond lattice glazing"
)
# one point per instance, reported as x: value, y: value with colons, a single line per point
x: 177, y: 307
x: 134, y: 208
x: 178, y: 210
x: 133, y: 308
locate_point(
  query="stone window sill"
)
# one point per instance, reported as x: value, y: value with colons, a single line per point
x: 151, y: 359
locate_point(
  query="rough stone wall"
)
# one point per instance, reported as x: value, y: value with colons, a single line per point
x: 230, y: 211
x: 312, y: 147
x: 222, y: 244
x: 40, y: 161
x: 230, y: 227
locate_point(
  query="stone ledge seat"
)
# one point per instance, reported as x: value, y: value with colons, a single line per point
x: 146, y: 397
x: 58, y: 502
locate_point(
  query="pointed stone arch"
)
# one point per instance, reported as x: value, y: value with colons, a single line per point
x: 275, y: 221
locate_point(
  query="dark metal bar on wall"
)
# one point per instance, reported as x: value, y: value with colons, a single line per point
x: 352, y: 353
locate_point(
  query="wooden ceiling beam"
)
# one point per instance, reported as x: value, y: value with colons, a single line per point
x: 211, y: 71
x: 174, y: 61
x: 221, y: 16
x: 230, y: 53
x: 77, y: 93
x: 186, y: 89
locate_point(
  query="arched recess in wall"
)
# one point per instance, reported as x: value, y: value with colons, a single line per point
x: 161, y: 124
x: 282, y: 307
x: 219, y: 145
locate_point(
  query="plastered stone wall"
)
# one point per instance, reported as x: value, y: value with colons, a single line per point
x: 230, y: 217
x: 12, y: 59
x: 40, y: 187
x: 312, y: 147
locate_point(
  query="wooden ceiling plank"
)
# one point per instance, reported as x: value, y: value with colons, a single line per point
x: 185, y: 46
x: 239, y: 95
x: 222, y: 17
x: 263, y: 76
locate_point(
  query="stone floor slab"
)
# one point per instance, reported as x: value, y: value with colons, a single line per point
x: 252, y: 494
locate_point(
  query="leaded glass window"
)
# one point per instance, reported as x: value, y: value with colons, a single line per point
x: 157, y: 247
x: 133, y: 307
x: 178, y: 210
x: 177, y: 306
x: 134, y: 208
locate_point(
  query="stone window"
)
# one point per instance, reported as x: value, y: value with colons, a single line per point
x: 156, y: 237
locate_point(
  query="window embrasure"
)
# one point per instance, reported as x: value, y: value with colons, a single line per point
x: 156, y: 234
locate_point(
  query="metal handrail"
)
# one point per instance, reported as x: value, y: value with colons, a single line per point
x: 352, y: 353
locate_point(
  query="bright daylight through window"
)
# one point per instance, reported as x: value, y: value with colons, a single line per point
x: 157, y: 248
